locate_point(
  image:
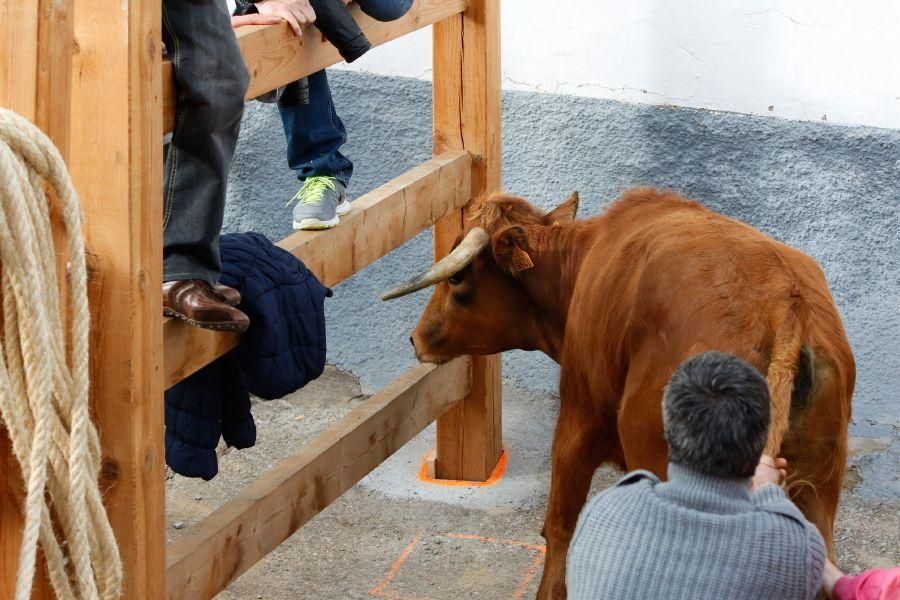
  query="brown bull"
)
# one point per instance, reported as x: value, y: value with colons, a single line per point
x: 619, y: 301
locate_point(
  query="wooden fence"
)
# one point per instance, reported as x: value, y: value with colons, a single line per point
x: 90, y: 74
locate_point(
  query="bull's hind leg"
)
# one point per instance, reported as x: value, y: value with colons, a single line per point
x: 816, y: 472
x: 818, y: 499
x: 580, y: 444
x: 816, y: 445
x: 640, y: 414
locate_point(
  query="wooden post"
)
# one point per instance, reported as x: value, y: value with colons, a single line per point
x: 467, y: 117
x: 36, y: 46
x: 116, y: 162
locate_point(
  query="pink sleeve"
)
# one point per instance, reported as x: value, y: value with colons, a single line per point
x: 875, y: 584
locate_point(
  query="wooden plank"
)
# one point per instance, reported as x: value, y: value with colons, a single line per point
x: 275, y: 57
x: 116, y: 120
x: 18, y: 86
x: 189, y: 349
x: 19, y: 56
x: 37, y: 38
x: 235, y: 537
x: 380, y: 221
x: 54, y: 74
x: 56, y: 40
x: 467, y: 116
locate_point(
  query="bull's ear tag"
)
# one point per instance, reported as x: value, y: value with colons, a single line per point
x: 511, y: 249
x: 521, y: 260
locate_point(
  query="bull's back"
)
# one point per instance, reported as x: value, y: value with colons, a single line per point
x: 667, y: 272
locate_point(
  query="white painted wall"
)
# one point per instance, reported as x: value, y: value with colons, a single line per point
x: 837, y: 60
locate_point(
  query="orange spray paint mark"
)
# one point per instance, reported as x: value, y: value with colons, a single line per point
x: 478, y: 538
x: 495, y: 476
x: 529, y: 574
x: 381, y: 589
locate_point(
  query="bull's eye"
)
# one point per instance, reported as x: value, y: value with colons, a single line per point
x: 459, y: 276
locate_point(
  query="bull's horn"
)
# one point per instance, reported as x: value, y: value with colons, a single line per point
x: 475, y: 241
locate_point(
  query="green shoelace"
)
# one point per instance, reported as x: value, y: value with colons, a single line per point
x: 313, y: 189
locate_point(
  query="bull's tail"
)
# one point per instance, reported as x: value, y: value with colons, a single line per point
x: 780, y: 376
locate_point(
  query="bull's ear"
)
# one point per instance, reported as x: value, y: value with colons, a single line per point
x: 563, y: 213
x: 511, y: 249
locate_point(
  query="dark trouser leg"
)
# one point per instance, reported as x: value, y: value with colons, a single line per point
x: 211, y: 81
x: 315, y: 133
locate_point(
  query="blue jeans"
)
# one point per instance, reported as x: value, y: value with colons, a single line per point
x: 314, y: 131
x: 210, y: 79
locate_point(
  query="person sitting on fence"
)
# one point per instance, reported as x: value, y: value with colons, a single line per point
x: 717, y: 528
x: 315, y: 132
x: 210, y: 81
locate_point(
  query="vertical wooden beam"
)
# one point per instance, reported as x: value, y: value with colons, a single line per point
x: 36, y: 46
x: 117, y: 167
x: 467, y: 117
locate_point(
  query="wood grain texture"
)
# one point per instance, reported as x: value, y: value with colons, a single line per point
x: 467, y: 116
x: 235, y: 537
x: 116, y: 120
x: 380, y: 221
x: 189, y: 349
x: 19, y: 56
x: 18, y: 86
x: 36, y: 47
x: 275, y: 57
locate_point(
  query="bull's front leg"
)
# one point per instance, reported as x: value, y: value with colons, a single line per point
x: 580, y: 445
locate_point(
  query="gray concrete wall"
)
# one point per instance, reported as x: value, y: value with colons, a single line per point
x: 831, y: 191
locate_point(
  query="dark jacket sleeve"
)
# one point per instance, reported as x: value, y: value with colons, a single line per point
x: 333, y: 20
x: 337, y: 25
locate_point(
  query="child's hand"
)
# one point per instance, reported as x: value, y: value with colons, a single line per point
x: 296, y: 12
x: 254, y: 19
x: 769, y: 470
x: 830, y: 576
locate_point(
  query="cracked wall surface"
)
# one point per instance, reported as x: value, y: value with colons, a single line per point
x: 831, y: 191
x: 797, y: 59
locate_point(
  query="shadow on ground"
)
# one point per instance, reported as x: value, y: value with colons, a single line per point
x: 392, y: 536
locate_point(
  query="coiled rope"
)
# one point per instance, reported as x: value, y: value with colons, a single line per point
x: 43, y: 398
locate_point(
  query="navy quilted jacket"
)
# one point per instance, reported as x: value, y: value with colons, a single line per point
x: 282, y: 351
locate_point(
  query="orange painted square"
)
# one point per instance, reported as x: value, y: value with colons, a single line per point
x: 495, y: 476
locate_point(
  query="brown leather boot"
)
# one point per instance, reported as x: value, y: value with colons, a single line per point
x: 195, y: 302
x: 231, y: 296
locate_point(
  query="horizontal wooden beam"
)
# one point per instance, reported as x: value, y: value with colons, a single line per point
x: 189, y: 349
x: 275, y: 57
x: 231, y: 540
x: 380, y: 221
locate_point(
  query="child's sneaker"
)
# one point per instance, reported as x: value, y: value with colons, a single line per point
x: 320, y: 203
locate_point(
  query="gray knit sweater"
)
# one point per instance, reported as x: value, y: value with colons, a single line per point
x: 693, y: 537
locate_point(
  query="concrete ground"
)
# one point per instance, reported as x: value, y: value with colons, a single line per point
x: 392, y: 536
